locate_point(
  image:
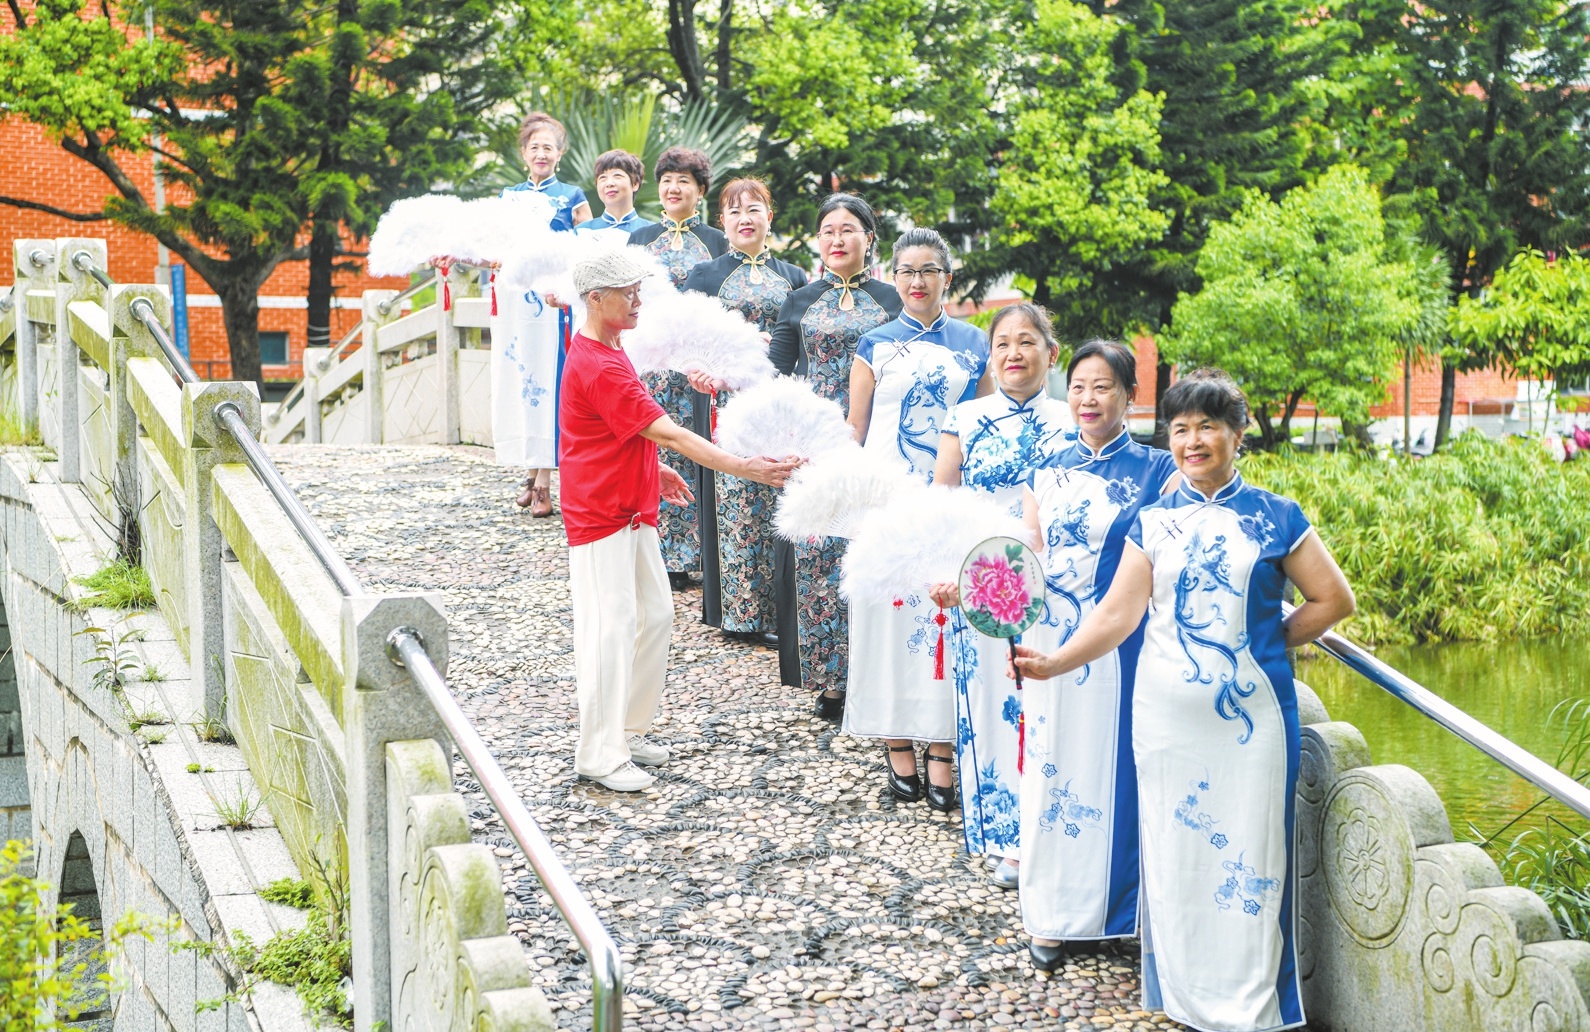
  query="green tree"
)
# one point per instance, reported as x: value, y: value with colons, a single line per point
x: 1076, y: 182
x: 260, y: 122
x: 1484, y: 105
x: 1534, y: 317
x: 1300, y: 299
x: 1241, y: 82
x: 407, y: 87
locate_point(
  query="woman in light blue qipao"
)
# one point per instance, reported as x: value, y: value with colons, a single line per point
x: 992, y: 444
x: 1214, y: 718
x: 1079, y: 869
x: 907, y: 376
x: 530, y: 329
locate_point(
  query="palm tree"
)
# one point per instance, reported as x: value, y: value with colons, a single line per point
x: 638, y: 124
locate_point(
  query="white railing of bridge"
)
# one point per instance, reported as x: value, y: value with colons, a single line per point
x: 231, y: 551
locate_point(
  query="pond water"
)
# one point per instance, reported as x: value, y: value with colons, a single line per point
x: 1510, y: 686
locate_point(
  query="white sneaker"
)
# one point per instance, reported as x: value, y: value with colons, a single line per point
x: 1006, y: 875
x: 627, y: 778
x: 645, y: 751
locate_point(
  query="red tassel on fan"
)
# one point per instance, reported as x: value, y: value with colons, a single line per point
x: 1021, y: 739
x: 714, y: 424
x: 938, y: 655
x: 442, y: 269
x: 494, y: 292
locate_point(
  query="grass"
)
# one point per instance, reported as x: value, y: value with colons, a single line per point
x: 153, y: 674
x: 13, y: 434
x: 237, y: 811
x: 1483, y: 542
x: 195, y: 768
x: 118, y: 584
x: 315, y: 959
x: 292, y: 892
x: 211, y: 729
x: 147, y: 718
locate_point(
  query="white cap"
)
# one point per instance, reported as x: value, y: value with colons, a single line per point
x: 611, y: 269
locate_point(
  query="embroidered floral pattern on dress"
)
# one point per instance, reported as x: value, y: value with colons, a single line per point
x: 758, y: 302
x: 677, y: 529
x: 691, y: 253
x: 1066, y: 809
x: 1244, y: 885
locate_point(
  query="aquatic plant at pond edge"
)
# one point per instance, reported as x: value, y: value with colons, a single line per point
x: 1488, y: 540
x: 1542, y: 852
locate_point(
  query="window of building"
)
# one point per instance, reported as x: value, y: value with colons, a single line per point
x: 272, y: 347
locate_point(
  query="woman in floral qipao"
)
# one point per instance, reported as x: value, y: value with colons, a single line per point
x: 681, y: 241
x: 815, y: 337
x: 993, y: 444
x: 740, y: 583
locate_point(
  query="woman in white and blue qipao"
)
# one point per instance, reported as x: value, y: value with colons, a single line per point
x: 907, y: 376
x: 1214, y: 718
x: 529, y: 331
x: 1079, y: 870
x: 992, y: 444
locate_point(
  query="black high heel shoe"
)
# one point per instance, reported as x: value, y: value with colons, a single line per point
x: 940, y: 797
x: 907, y: 787
x: 1047, y: 958
x: 830, y: 707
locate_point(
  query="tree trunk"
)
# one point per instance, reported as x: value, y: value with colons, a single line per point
x: 725, y: 52
x: 240, y: 314
x: 322, y: 258
x: 1261, y: 416
x: 1292, y: 401
x: 682, y: 45
x: 1443, y: 422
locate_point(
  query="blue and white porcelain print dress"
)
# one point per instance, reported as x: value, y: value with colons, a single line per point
x: 527, y: 337
x: 1215, y: 735
x: 1002, y: 441
x: 921, y: 372
x: 1079, y: 865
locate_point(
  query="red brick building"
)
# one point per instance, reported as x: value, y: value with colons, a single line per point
x: 37, y: 169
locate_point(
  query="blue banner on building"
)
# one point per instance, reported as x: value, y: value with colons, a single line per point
x: 179, y: 307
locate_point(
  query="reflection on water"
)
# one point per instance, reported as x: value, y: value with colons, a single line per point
x: 1510, y: 686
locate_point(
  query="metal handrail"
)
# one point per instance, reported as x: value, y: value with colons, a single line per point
x: 407, y: 650
x: 1509, y: 754
x: 84, y: 262
x: 607, y: 971
x: 144, y: 312
x: 385, y: 307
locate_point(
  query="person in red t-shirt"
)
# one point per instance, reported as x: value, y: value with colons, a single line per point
x: 612, y: 478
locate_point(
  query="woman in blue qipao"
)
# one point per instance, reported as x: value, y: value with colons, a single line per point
x: 1214, y: 718
x: 618, y: 176
x: 815, y: 337
x: 743, y: 581
x: 907, y: 376
x: 529, y: 330
x: 681, y: 241
x: 1079, y: 869
x: 992, y: 444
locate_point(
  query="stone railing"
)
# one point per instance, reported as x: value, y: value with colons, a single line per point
x: 1401, y: 928
x: 419, y: 376
x: 350, y: 759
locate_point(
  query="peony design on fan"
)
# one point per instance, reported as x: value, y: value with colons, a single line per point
x: 998, y: 594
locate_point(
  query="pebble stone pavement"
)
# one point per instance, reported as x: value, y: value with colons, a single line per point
x: 768, y: 880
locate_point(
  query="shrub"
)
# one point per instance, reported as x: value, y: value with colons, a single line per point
x: 1487, y: 540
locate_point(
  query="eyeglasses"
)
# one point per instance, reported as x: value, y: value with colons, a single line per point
x: 629, y: 293
x: 842, y: 233
x: 924, y: 274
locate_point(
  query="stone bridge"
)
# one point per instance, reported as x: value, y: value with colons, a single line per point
x: 768, y: 880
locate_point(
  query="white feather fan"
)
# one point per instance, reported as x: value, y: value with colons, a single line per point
x: 917, y: 541
x: 830, y: 495
x: 486, y: 231
x: 687, y: 332
x: 779, y: 417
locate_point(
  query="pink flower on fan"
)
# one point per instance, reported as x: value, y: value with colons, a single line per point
x: 997, y: 589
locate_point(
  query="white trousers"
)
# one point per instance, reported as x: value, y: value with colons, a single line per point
x: 623, y: 619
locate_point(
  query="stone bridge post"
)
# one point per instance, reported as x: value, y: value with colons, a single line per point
x: 382, y: 705
x: 369, y: 346
x: 72, y: 284
x: 313, y: 371
x: 28, y: 277
x: 208, y: 444
x: 130, y: 338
